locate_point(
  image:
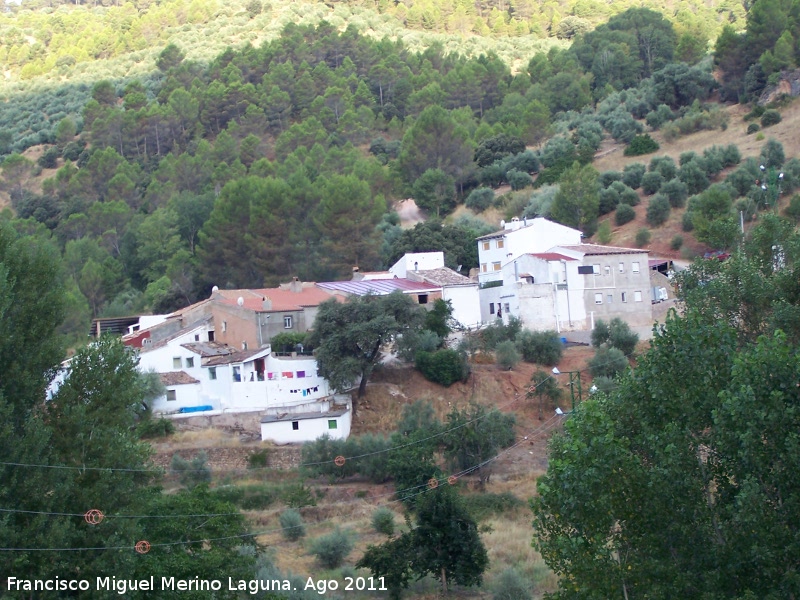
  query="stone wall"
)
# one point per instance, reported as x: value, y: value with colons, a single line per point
x: 235, y: 458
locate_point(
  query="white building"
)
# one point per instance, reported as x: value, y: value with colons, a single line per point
x: 287, y: 428
x: 518, y: 238
x: 462, y: 292
x: 543, y: 290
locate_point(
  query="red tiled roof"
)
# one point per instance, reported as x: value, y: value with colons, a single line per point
x: 282, y: 300
x: 551, y: 256
x: 177, y: 378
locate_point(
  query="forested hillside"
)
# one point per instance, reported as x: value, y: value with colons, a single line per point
x: 286, y: 159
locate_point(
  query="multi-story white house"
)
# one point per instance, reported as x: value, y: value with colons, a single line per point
x: 516, y: 238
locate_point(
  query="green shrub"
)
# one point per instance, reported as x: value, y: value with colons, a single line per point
x: 608, y: 362
x: 486, y: 504
x: 292, y: 526
x: 624, y: 214
x: 383, y: 521
x: 518, y: 179
x: 642, y: 237
x: 480, y: 199
x: 757, y: 111
x: 632, y: 175
x: 287, y: 342
x: 793, y: 210
x: 333, y: 548
x: 609, y: 199
x: 687, y: 223
x: 629, y: 196
x: 616, y: 334
x: 676, y: 192
x: 258, y: 459
x: 541, y: 347
x: 604, y: 232
x: 249, y: 497
x: 652, y: 182
x: 664, y: 165
x: 641, y: 144
x: 511, y: 585
x: 499, y: 332
x: 676, y: 242
x: 507, y: 355
x: 753, y: 128
x: 153, y: 428
x: 298, y: 496
x: 658, y: 210
x: 444, y: 367
x: 606, y: 178
x: 770, y: 117
x: 415, y: 341
x: 191, y: 473
x: 49, y: 159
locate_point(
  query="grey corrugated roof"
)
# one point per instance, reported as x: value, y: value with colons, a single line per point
x: 209, y: 348
x: 379, y: 287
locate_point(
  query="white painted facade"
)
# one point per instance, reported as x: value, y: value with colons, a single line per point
x: 241, y: 381
x: 417, y: 261
x: 517, y: 238
x: 297, y: 427
x: 465, y: 302
x: 545, y: 292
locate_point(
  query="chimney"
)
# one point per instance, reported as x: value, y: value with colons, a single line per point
x: 296, y: 285
x: 266, y: 303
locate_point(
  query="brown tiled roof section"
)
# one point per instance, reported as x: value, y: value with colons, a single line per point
x: 444, y: 276
x: 282, y: 300
x: 177, y: 378
x: 596, y: 249
x: 237, y: 356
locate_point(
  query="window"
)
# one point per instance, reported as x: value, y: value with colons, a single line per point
x: 491, y: 308
x: 624, y: 297
x: 607, y: 270
x: 295, y: 425
x: 598, y: 298
x: 495, y: 266
x: 244, y: 345
x: 635, y: 267
x: 212, y: 373
x: 211, y: 336
x: 172, y: 395
x: 190, y: 362
x: 422, y: 298
x: 505, y: 307
x: 237, y: 373
x: 224, y: 326
x: 485, y: 245
x: 587, y: 270
x: 332, y: 424
x: 596, y: 269
x: 176, y: 362
x: 637, y: 296
x: 609, y: 298
x: 287, y: 322
x: 196, y: 337
x: 621, y: 267
x: 501, y: 244
x: 483, y: 268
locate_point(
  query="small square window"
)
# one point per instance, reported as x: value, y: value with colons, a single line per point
x: 635, y: 267
x: 637, y: 296
x: 621, y: 267
x: 237, y: 373
x: 176, y: 362
x: 624, y: 297
x: 596, y: 269
x: 172, y: 395
x: 607, y: 270
x: 501, y: 244
x: 211, y: 336
x: 332, y: 424
x: 190, y: 362
x: 422, y: 298
x: 598, y: 298
x: 212, y: 373
x: 196, y: 337
x: 506, y: 307
x: 295, y: 425
x: 609, y: 298
x: 224, y: 326
x: 287, y: 322
x: 485, y: 245
x: 483, y: 268
x: 495, y: 266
